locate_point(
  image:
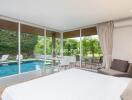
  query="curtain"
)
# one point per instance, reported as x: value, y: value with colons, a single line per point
x: 105, y: 33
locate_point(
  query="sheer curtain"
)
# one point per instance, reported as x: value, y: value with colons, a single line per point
x: 105, y: 33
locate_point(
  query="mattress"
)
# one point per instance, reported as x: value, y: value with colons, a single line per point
x: 72, y: 84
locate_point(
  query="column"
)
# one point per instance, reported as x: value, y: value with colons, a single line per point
x: 19, y: 47
x: 80, y: 48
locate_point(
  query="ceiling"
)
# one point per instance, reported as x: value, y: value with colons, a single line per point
x: 64, y: 15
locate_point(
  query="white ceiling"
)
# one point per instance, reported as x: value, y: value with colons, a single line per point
x: 64, y: 15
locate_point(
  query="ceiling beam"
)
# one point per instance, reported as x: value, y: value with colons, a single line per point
x: 76, y: 33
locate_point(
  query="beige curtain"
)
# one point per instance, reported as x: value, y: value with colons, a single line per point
x: 105, y: 32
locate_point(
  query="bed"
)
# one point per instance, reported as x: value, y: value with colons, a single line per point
x: 72, y: 84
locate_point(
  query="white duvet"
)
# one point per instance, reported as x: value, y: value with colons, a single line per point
x: 73, y: 84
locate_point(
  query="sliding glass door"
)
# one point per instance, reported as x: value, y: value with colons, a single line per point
x: 91, y: 52
x: 32, y: 54
x: 27, y: 48
x: 71, y: 46
x: 8, y: 52
x: 52, y: 51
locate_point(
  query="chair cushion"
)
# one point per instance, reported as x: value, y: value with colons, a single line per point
x: 113, y: 72
x: 127, y: 93
x: 120, y: 65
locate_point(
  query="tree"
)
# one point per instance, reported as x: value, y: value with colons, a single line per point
x: 39, y: 47
x: 58, y: 46
x: 9, y: 42
x: 28, y: 43
x: 91, y: 46
x: 85, y: 48
x: 31, y: 43
x: 70, y: 47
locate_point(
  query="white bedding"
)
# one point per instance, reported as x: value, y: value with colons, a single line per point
x: 73, y: 84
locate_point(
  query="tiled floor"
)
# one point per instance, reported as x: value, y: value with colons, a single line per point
x: 1, y: 91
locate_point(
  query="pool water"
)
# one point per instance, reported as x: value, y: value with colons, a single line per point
x: 12, y: 68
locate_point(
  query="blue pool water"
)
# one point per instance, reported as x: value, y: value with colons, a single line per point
x: 12, y: 68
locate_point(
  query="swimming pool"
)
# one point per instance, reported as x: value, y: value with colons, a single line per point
x: 26, y: 66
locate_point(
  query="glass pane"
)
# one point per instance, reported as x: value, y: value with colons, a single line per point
x: 32, y: 51
x: 91, y: 52
x: 72, y: 52
x: 58, y: 44
x: 8, y: 52
x: 52, y: 51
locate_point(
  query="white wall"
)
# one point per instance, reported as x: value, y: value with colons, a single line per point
x: 122, y: 40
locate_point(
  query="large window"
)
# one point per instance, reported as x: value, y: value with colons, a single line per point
x: 91, y: 54
x: 30, y: 54
x: 91, y: 51
x: 84, y: 46
x: 8, y: 52
x: 71, y: 46
x: 71, y: 49
x: 58, y: 44
x: 32, y: 48
x: 40, y: 49
x: 48, y: 44
x: 52, y: 47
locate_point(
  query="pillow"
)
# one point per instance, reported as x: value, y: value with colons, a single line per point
x: 127, y: 93
x: 120, y: 65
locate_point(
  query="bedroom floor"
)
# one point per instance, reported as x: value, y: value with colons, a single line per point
x: 1, y: 91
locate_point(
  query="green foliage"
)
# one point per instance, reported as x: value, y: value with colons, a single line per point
x: 39, y: 48
x: 70, y: 47
x: 28, y: 42
x: 9, y: 42
x: 91, y: 46
x: 58, y: 46
x: 31, y: 43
